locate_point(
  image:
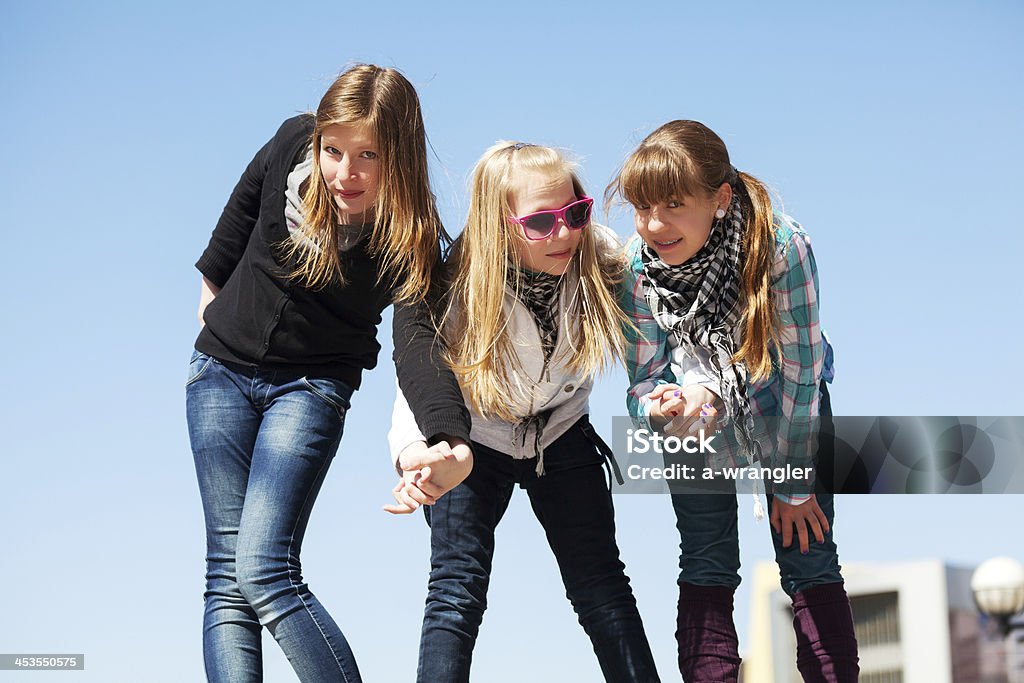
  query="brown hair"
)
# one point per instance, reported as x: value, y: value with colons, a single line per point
x: 407, y: 227
x: 686, y: 158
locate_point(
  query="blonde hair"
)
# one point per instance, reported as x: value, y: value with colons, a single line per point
x: 686, y: 158
x: 406, y: 228
x: 479, y: 349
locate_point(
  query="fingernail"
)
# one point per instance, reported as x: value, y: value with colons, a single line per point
x: 673, y: 413
x: 707, y: 406
x: 677, y: 393
x: 804, y: 552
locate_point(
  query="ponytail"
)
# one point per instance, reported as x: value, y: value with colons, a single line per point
x: 759, y: 322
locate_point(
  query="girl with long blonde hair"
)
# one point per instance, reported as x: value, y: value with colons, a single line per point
x: 723, y: 293
x: 332, y: 221
x: 530, y: 316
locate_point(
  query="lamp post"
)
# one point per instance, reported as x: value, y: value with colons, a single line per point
x: 998, y: 587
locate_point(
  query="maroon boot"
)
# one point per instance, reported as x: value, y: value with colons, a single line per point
x: 826, y: 646
x: 708, y: 646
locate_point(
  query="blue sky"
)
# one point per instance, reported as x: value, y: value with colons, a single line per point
x: 893, y: 133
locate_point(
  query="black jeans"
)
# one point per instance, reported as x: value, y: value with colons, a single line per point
x: 573, y: 504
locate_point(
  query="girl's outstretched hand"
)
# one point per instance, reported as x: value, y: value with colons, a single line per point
x: 808, y: 514
x: 443, y: 467
x: 408, y: 496
x: 429, y: 473
x: 684, y: 410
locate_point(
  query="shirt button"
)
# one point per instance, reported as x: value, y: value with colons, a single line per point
x: 569, y: 388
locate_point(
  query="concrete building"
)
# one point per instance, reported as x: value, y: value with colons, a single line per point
x: 916, y: 622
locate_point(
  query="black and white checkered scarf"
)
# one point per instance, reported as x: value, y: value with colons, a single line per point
x: 698, y: 303
x: 539, y: 293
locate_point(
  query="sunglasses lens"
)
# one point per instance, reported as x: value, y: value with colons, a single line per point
x: 577, y: 215
x: 539, y: 225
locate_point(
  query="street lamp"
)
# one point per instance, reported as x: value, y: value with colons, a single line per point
x: 998, y: 587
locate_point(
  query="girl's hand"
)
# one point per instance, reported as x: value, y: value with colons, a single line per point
x: 429, y: 473
x: 666, y: 402
x: 408, y: 496
x: 785, y: 517
x: 686, y: 409
x: 444, y: 467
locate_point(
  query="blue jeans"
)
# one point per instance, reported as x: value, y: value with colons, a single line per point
x: 709, y: 541
x: 573, y: 504
x: 262, y: 442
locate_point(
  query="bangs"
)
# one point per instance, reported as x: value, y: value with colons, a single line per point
x: 654, y: 174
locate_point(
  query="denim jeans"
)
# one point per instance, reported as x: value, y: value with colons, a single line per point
x: 573, y: 504
x: 262, y: 442
x: 709, y: 541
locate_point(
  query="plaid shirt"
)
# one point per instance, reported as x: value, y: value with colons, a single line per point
x: 792, y: 390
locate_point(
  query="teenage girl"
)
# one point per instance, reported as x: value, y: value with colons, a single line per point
x: 723, y: 293
x: 332, y: 221
x: 530, y: 318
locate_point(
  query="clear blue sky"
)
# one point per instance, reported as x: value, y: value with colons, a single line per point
x: 893, y: 133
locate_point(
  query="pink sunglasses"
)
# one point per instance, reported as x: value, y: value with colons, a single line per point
x: 541, y: 225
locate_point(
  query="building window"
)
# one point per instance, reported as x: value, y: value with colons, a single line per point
x: 876, y: 619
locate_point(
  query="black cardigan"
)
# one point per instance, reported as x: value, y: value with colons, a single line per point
x: 260, y: 317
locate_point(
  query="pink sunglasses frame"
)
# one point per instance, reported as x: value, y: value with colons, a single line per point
x: 559, y: 216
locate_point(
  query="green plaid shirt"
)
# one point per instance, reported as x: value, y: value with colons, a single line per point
x: 792, y: 390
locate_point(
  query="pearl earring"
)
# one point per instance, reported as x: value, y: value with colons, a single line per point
x: 720, y: 213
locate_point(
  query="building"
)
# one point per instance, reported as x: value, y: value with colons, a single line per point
x: 916, y: 622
